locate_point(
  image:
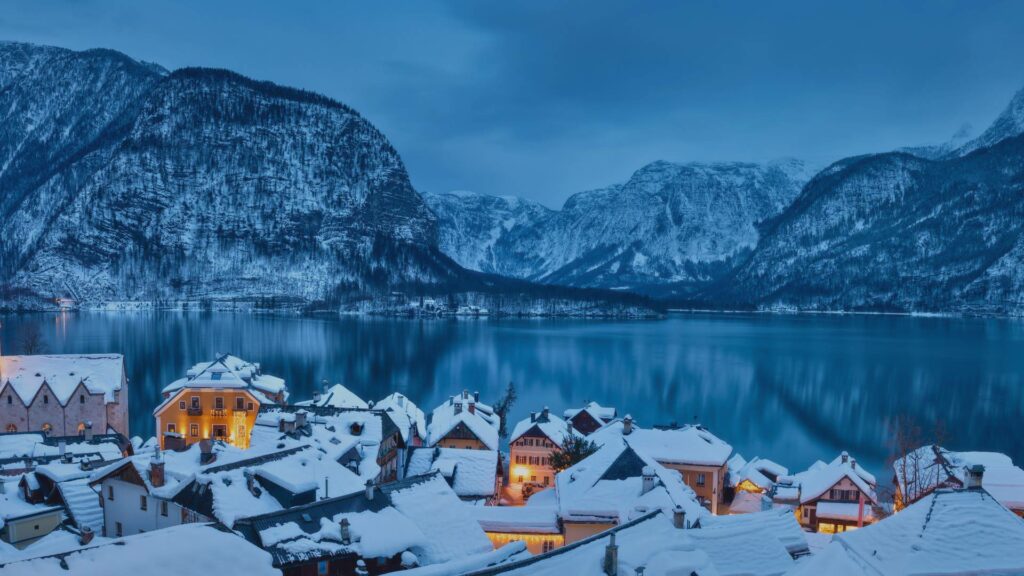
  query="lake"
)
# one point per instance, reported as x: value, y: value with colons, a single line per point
x: 794, y: 388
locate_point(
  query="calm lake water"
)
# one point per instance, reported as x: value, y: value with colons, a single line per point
x: 794, y: 388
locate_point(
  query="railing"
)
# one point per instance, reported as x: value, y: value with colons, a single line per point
x: 219, y: 413
x: 195, y: 411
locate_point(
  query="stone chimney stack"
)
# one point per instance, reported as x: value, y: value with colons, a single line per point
x: 611, y: 557
x: 476, y: 396
x: 853, y: 463
x: 627, y: 425
x: 844, y: 456
x: 545, y: 414
x: 649, y: 480
x: 300, y: 418
x: 346, y: 535
x: 679, y: 517
x: 206, y: 454
x: 88, y: 431
x: 62, y: 447
x: 156, y: 469
x: 975, y: 474
x: 369, y: 489
x: 316, y: 397
x: 472, y: 407
x: 533, y: 416
x: 86, y: 535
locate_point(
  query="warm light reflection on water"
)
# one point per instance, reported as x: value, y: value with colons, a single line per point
x: 792, y: 388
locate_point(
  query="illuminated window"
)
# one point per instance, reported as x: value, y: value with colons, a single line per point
x: 12, y: 428
x: 47, y: 428
x: 220, y: 431
x: 81, y: 428
x: 701, y: 477
x: 193, y: 430
x: 548, y: 546
x: 171, y: 428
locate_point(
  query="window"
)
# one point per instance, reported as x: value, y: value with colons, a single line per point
x: 172, y: 428
x: 249, y: 408
x: 220, y: 431
x: 181, y: 405
x: 549, y: 545
x: 10, y: 399
x: 321, y: 568
x: 163, y: 507
x: 701, y: 478
x: 81, y: 428
x: 119, y: 530
x: 193, y: 430
x: 533, y: 478
x: 81, y: 398
x: 218, y: 403
x: 195, y: 402
x: 143, y: 502
x: 46, y: 399
x: 239, y: 403
x: 547, y: 480
x: 804, y: 512
x: 110, y: 492
x: 47, y: 428
x: 12, y: 428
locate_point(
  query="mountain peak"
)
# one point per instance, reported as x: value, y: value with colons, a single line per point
x: 1008, y: 124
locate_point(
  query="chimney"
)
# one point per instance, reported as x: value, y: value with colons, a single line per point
x: 300, y: 418
x: 544, y: 414
x: 458, y: 407
x: 451, y: 400
x: 975, y: 474
x: 85, y: 536
x: 316, y: 397
x: 206, y: 454
x: 679, y: 517
x: 649, y: 480
x: 156, y: 469
x: 627, y: 425
x: 472, y: 407
x: 369, y: 489
x: 853, y: 463
x: 533, y: 416
x: 62, y: 447
x: 640, y: 571
x: 346, y: 536
x: 476, y: 396
x: 88, y: 431
x: 845, y: 456
x: 361, y: 568
x: 611, y: 557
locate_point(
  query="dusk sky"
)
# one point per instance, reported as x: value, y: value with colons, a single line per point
x: 545, y: 99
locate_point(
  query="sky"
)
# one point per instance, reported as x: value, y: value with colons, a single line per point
x: 543, y: 99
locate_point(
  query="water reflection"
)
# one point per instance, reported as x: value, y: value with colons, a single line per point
x: 794, y: 388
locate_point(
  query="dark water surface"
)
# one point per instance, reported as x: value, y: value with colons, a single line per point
x: 794, y: 388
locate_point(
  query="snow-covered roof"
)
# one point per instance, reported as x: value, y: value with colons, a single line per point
x: 37, y: 446
x: 184, y: 549
x: 405, y: 414
x: 228, y: 371
x: 747, y: 502
x: 547, y: 423
x: 820, y: 477
x: 844, y: 510
x: 756, y: 471
x: 949, y: 532
x: 596, y: 411
x: 608, y: 486
x: 12, y: 506
x: 62, y: 373
x: 517, y: 519
x: 336, y: 396
x: 419, y: 516
x: 478, y: 417
x: 931, y: 467
x: 471, y: 473
x: 651, y: 541
x: 689, y: 444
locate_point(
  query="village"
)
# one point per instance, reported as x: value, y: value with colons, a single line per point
x: 243, y: 479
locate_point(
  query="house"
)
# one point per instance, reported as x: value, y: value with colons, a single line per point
x: 829, y: 498
x: 407, y: 416
x: 23, y: 523
x: 530, y: 446
x: 60, y: 394
x: 929, y: 468
x: 697, y: 455
x: 417, y: 521
x: 215, y: 401
x: 22, y: 452
x: 368, y: 441
x: 537, y: 527
x: 65, y: 484
x: 590, y: 417
x: 188, y: 549
x: 659, y: 543
x: 464, y: 422
x: 336, y: 396
x: 748, y: 483
x: 474, y: 475
x: 953, y: 532
x: 614, y: 485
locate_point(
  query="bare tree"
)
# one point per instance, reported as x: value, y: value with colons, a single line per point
x: 32, y: 340
x: 914, y: 459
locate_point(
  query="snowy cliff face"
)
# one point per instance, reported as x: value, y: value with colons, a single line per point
x: 671, y: 227
x: 1009, y: 124
x: 199, y: 184
x: 896, y: 232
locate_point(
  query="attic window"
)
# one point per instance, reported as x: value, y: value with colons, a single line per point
x: 215, y: 376
x: 81, y: 398
x: 46, y: 399
x: 306, y: 517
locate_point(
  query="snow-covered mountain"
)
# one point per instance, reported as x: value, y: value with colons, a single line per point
x: 670, y: 228
x: 125, y: 182
x: 1009, y: 124
x: 896, y: 232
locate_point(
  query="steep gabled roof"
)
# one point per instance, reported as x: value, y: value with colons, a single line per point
x: 62, y: 373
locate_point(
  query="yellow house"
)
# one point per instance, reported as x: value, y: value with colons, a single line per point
x: 214, y: 402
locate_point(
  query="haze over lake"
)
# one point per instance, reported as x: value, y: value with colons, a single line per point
x: 794, y: 388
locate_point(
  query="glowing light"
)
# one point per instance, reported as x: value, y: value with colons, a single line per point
x: 521, y: 471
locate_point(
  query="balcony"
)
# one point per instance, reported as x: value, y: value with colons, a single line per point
x: 195, y: 411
